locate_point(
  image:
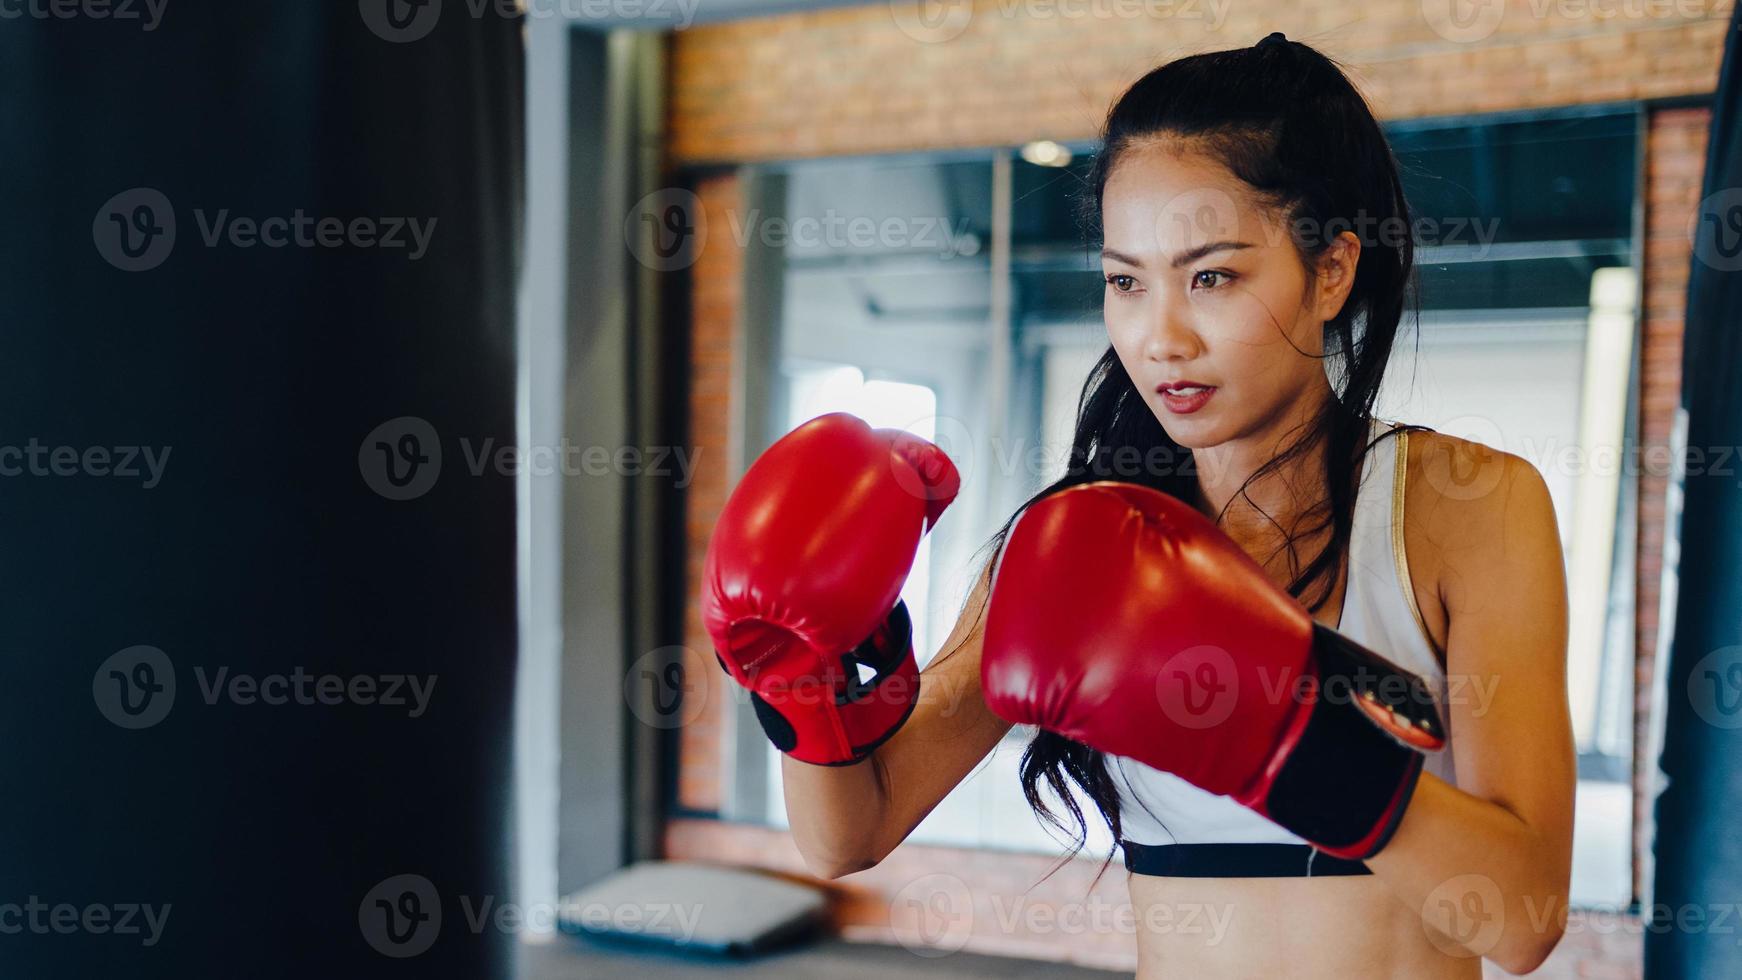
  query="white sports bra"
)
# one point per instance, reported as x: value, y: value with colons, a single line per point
x: 1170, y: 826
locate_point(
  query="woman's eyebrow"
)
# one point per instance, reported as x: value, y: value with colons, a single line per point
x: 1184, y: 258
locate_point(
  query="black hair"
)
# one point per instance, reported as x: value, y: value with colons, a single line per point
x: 1285, y: 120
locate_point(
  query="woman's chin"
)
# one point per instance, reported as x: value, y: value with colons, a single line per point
x: 1190, y: 431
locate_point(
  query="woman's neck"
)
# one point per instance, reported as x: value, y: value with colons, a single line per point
x: 1291, y: 494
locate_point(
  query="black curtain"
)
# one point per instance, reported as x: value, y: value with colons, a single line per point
x: 1698, y: 843
x: 257, y: 285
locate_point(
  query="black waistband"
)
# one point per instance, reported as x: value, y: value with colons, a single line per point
x: 1237, y: 861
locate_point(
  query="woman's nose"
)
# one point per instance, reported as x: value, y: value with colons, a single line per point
x: 1170, y: 337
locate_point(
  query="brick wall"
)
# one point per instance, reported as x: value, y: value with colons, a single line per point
x: 864, y: 80
x: 715, y: 295
x: 1675, y: 163
x: 861, y: 81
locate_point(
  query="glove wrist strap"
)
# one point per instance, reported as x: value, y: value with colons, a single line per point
x: 1353, y: 765
x: 867, y: 693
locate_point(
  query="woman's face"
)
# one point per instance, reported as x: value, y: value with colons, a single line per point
x: 1203, y: 286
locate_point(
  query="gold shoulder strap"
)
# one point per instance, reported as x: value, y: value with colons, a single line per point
x: 1399, y: 554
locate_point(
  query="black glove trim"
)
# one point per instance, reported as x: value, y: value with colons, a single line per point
x: 883, y: 651
x: 1347, y: 779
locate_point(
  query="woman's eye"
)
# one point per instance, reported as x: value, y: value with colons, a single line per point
x: 1120, y: 283
x: 1221, y: 277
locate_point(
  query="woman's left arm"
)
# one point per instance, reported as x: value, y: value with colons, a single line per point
x: 1487, y: 863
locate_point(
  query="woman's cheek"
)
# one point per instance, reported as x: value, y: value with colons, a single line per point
x: 1120, y: 332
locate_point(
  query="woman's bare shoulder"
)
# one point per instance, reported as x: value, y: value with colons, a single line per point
x: 1453, y: 480
x: 1464, y: 500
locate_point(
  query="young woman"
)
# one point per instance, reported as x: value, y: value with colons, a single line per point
x: 1257, y: 265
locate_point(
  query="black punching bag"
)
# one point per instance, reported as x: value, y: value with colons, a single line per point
x: 257, y: 281
x: 1698, y: 849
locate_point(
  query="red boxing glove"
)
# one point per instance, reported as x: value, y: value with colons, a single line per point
x: 1122, y: 618
x: 802, y: 579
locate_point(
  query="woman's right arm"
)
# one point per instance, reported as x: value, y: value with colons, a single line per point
x: 848, y: 818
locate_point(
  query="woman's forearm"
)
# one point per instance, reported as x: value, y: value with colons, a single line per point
x: 1478, y: 874
x: 836, y: 814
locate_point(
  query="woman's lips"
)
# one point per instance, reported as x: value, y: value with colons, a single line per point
x: 1184, y: 398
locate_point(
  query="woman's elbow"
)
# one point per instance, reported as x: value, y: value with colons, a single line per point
x: 1529, y: 954
x: 837, y: 866
x: 1525, y: 949
x: 841, y: 857
x: 1538, y: 919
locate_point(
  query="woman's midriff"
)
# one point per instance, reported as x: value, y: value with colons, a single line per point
x: 1299, y: 928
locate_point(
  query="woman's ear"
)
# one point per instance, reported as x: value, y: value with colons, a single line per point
x: 1336, y: 275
